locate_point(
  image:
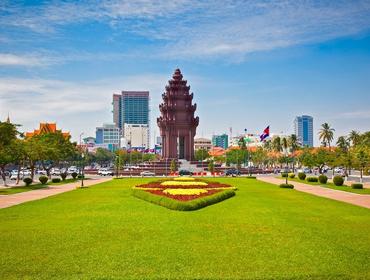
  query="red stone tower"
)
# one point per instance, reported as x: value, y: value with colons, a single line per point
x: 177, y: 123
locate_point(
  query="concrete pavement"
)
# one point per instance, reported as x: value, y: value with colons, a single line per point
x: 18, y: 198
x: 362, y: 200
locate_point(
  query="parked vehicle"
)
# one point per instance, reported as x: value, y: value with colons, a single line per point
x: 185, y: 172
x: 232, y: 172
x: 41, y: 172
x: 14, y: 175
x: 72, y: 169
x: 147, y: 174
x: 105, y: 172
x: 55, y: 172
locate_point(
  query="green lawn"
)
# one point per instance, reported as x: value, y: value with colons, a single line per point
x: 264, y: 232
x: 330, y: 185
x: 13, y: 190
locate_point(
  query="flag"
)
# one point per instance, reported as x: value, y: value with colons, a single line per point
x: 265, y: 134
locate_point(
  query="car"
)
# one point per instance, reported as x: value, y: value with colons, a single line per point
x: 105, y: 172
x: 14, y: 175
x: 73, y: 169
x: 55, y: 172
x: 26, y: 172
x: 232, y: 172
x: 185, y: 173
x: 41, y: 172
x: 147, y: 173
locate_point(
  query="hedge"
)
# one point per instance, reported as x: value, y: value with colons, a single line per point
x: 323, y: 179
x: 301, y: 176
x: 251, y: 177
x: 183, y: 205
x: 338, y: 180
x: 291, y: 175
x: 284, y: 175
x: 312, y: 179
x: 357, y: 186
x: 286, y: 186
x: 27, y: 181
x: 56, y: 180
x: 43, y: 179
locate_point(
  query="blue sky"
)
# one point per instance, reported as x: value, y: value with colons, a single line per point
x: 249, y: 63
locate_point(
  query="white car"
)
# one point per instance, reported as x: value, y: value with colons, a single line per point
x: 41, y: 172
x: 14, y: 175
x: 55, y: 172
x: 147, y: 173
x: 105, y: 172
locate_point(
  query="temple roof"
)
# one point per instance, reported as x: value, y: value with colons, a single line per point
x: 177, y: 76
x: 46, y: 128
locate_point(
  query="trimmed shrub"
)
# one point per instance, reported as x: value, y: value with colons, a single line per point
x: 284, y: 175
x: 357, y: 186
x: 323, y: 179
x: 80, y: 176
x: 251, y: 177
x: 74, y: 175
x: 63, y: 176
x: 184, y: 205
x: 286, y: 186
x: 301, y: 176
x: 43, y: 179
x: 291, y: 175
x: 27, y: 181
x: 56, y: 180
x: 312, y: 179
x: 338, y: 180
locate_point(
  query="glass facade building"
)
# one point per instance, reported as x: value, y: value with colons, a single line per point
x: 221, y: 141
x: 131, y: 107
x: 303, y: 129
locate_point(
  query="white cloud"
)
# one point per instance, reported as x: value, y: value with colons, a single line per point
x: 191, y: 28
x: 7, y: 59
x: 76, y: 106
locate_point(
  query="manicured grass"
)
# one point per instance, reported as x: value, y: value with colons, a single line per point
x: 330, y: 185
x: 34, y: 186
x: 263, y: 232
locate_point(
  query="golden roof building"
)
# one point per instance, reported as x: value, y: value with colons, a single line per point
x: 47, y: 128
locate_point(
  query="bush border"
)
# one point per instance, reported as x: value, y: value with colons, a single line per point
x: 191, y: 205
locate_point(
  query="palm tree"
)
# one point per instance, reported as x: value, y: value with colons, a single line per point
x: 354, y: 136
x: 326, y: 133
x: 285, y: 144
x: 276, y: 144
x: 293, y: 142
x: 343, y: 143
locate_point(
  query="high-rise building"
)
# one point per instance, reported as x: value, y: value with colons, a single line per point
x: 108, y: 135
x: 303, y: 129
x: 136, y: 135
x: 131, y: 107
x: 221, y: 141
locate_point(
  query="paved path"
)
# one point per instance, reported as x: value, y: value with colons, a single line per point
x: 18, y: 198
x: 362, y: 200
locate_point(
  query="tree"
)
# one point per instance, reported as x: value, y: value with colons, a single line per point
x: 362, y: 158
x: 8, y: 137
x: 211, y: 166
x: 103, y: 156
x: 284, y: 144
x: 201, y: 154
x: 276, y: 144
x: 343, y: 144
x: 354, y: 137
x: 173, y: 166
x: 326, y: 134
x: 293, y: 143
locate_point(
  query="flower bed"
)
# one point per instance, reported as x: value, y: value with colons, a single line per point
x: 184, y: 191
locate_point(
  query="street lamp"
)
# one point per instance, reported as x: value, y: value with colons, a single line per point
x: 83, y: 168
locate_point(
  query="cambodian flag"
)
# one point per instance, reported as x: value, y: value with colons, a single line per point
x: 265, y: 134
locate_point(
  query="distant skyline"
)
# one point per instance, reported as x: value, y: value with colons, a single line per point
x: 249, y: 63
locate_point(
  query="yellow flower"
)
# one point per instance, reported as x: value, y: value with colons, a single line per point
x: 184, y: 179
x: 186, y: 183
x: 185, y: 191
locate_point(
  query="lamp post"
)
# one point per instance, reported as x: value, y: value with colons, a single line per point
x: 83, y: 168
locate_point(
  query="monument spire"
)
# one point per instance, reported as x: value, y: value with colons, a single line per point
x: 177, y: 122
